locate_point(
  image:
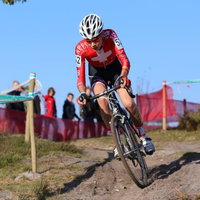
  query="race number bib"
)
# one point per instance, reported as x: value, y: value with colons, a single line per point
x: 118, y: 43
x: 78, y: 61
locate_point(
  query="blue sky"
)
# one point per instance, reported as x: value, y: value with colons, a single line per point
x: 161, y: 39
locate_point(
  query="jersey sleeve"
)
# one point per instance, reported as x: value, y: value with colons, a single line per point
x: 80, y: 65
x: 120, y: 52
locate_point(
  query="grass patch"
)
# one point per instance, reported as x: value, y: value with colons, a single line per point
x: 41, y: 189
x: 14, y: 149
x: 174, y: 135
x: 15, y: 158
x: 156, y: 135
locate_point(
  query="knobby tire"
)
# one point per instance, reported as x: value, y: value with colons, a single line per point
x: 128, y: 148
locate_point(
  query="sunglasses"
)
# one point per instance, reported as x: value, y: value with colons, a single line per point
x: 95, y: 40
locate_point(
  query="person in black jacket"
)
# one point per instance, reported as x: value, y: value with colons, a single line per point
x: 39, y: 104
x: 69, y: 110
x: 19, y: 106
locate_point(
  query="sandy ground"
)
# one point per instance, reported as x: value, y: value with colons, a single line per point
x: 174, y: 169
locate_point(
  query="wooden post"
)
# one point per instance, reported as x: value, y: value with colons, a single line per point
x: 27, y: 131
x: 30, y: 124
x: 164, y: 125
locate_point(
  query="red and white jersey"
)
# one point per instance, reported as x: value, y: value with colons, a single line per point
x: 111, y: 48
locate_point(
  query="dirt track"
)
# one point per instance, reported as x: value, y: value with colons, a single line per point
x: 175, y: 174
x: 174, y: 167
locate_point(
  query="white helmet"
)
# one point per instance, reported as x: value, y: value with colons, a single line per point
x: 91, y: 26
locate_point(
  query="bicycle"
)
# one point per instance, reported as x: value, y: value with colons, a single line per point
x: 126, y: 138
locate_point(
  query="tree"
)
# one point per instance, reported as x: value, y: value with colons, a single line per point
x: 11, y: 2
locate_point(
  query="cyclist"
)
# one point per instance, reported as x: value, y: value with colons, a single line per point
x: 107, y: 62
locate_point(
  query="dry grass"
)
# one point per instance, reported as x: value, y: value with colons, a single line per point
x: 15, y: 158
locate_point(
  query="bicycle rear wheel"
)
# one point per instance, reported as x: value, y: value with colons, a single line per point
x: 129, y: 150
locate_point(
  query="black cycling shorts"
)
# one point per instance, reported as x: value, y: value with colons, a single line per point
x: 105, y: 74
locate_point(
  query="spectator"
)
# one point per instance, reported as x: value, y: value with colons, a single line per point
x: 87, y: 111
x: 50, y: 103
x: 19, y: 105
x: 69, y: 111
x: 39, y: 104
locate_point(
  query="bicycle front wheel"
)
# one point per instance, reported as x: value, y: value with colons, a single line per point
x: 129, y: 152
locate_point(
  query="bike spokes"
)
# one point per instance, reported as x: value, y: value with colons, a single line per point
x: 129, y: 152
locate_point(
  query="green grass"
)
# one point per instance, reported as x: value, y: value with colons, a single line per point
x: 15, y: 158
x: 14, y: 150
x: 174, y: 135
x: 157, y: 136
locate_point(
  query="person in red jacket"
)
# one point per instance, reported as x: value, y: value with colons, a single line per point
x: 50, y: 103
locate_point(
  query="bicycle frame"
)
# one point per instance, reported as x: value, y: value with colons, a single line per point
x: 118, y: 111
x: 112, y: 99
x: 115, y: 105
x: 128, y: 147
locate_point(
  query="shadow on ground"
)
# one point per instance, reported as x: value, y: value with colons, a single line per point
x: 163, y: 171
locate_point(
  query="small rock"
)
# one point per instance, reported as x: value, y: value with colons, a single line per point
x: 29, y: 175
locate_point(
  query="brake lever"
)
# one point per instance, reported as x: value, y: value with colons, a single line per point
x: 129, y: 92
x: 127, y: 89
